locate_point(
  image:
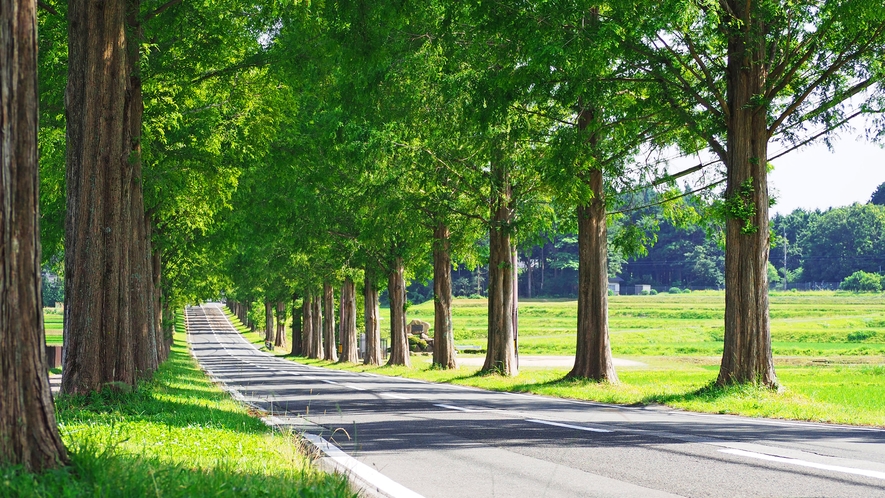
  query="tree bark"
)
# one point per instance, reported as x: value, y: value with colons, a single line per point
x: 330, y: 344
x: 142, y: 321
x: 593, y: 358
x: 307, y: 346
x: 98, y: 337
x: 28, y: 432
x: 399, y: 342
x: 297, y: 329
x: 443, y: 337
x: 371, y: 311
x: 347, y: 333
x: 268, y: 322
x: 746, y: 355
x: 501, y: 346
x: 317, y: 341
x: 280, y: 338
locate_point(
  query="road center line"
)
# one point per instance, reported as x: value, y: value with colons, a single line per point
x: 452, y: 407
x: 351, y: 386
x: 567, y: 426
x: 330, y: 382
x: 804, y: 463
x: 366, y: 473
x: 391, y: 395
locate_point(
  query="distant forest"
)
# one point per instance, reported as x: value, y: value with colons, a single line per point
x: 810, y: 250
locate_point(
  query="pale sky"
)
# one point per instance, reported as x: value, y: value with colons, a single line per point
x: 815, y: 178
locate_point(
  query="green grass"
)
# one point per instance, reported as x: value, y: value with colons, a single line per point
x: 176, y: 435
x: 802, y: 324
x: 847, y: 394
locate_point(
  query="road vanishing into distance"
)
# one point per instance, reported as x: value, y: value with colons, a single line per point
x: 405, y: 438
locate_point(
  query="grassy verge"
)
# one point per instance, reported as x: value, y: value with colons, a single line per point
x: 846, y: 394
x: 177, y: 435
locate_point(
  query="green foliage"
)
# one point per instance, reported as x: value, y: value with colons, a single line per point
x: 674, y: 290
x: 878, y: 196
x: 741, y: 206
x: 861, y: 281
x: 417, y: 344
x: 842, y: 241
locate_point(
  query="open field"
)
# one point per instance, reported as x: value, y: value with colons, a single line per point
x: 802, y: 324
x: 52, y: 325
x: 178, y: 435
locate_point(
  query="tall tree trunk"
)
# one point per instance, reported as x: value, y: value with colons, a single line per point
x: 371, y: 311
x: 144, y: 333
x: 593, y: 356
x: 268, y: 322
x: 317, y: 311
x: 307, y: 346
x: 399, y: 342
x: 501, y: 348
x: 330, y: 344
x: 280, y: 339
x: 98, y: 335
x: 746, y: 356
x: 529, y: 270
x: 28, y: 431
x: 443, y: 337
x: 347, y: 334
x: 514, y: 306
x: 297, y: 329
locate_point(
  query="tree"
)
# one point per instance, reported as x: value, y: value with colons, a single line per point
x: 878, y: 196
x: 28, y: 432
x: 741, y: 74
x: 861, y: 281
x: 842, y: 241
x: 347, y: 334
x: 101, y: 115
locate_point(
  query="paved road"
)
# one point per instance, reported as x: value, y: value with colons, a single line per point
x: 450, y: 441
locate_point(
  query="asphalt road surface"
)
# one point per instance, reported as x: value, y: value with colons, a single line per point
x: 412, y: 438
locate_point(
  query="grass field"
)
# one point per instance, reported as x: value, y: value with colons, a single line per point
x: 802, y: 324
x: 53, y: 326
x: 178, y: 435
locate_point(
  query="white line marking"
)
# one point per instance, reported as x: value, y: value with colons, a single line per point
x: 330, y: 382
x: 366, y: 473
x: 804, y: 463
x: 354, y: 387
x: 391, y: 395
x: 567, y: 426
x: 452, y: 407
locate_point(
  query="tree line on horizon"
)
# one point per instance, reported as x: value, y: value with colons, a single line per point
x: 273, y: 152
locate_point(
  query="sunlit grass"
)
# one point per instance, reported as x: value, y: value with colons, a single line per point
x: 177, y: 435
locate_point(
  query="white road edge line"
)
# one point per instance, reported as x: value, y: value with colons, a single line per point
x: 366, y: 473
x: 567, y: 426
x: 330, y: 382
x: 351, y: 386
x: 804, y: 463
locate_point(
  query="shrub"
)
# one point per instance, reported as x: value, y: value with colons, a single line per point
x: 653, y: 292
x: 686, y: 291
x: 611, y: 292
x: 675, y: 290
x: 644, y: 293
x: 416, y: 343
x: 861, y: 281
x: 861, y: 335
